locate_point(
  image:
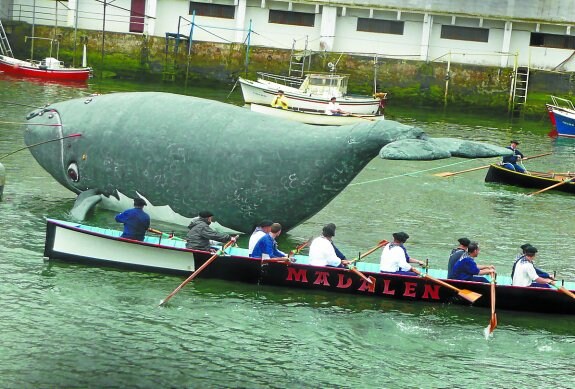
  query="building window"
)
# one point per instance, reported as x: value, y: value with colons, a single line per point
x: 293, y: 18
x: 381, y: 26
x: 465, y: 33
x: 213, y: 10
x: 552, y: 40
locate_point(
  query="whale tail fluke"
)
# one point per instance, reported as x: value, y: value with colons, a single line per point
x: 85, y: 202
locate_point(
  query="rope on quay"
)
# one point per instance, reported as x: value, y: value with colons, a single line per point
x: 412, y: 173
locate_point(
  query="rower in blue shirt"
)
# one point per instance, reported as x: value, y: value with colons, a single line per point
x: 136, y: 221
x: 467, y: 270
x: 510, y: 161
x: 266, y: 247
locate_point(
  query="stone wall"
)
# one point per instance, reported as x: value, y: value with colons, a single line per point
x: 138, y: 57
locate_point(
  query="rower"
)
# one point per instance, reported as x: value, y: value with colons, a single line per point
x: 467, y: 270
x: 394, y: 257
x: 510, y: 161
x: 525, y: 274
x: 280, y: 101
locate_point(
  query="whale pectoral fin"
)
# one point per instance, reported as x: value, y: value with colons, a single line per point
x: 438, y: 148
x: 85, y: 201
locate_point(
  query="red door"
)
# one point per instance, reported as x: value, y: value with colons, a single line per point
x: 137, y: 12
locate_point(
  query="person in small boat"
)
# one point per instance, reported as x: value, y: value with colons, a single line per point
x: 200, y: 233
x: 521, y: 256
x: 322, y: 251
x: 525, y: 273
x: 394, y: 256
x: 263, y: 228
x: 280, y: 101
x: 510, y: 161
x: 467, y: 269
x: 267, y: 247
x: 456, y: 254
x: 136, y: 221
x: 333, y: 108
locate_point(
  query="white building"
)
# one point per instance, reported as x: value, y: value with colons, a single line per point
x: 502, y: 33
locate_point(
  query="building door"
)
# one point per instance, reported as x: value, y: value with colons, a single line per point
x: 137, y: 12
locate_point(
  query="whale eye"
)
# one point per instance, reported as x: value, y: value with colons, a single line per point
x: 73, y: 173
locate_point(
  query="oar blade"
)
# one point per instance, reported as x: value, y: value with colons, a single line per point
x: 469, y: 295
x: 444, y: 174
x: 567, y: 292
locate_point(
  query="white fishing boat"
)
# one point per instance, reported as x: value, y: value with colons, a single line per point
x: 313, y: 117
x: 311, y: 93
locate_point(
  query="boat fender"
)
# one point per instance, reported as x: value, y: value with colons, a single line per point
x: 2, y: 180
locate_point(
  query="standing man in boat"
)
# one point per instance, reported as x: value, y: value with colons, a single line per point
x: 280, y: 101
x: 394, y: 257
x: 267, y: 247
x: 467, y: 270
x: 525, y: 273
x: 262, y: 229
x: 322, y: 251
x: 136, y: 221
x: 456, y: 255
x: 521, y: 256
x: 510, y: 161
x: 333, y: 108
x: 201, y: 233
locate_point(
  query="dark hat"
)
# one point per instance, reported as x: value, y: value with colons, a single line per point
x: 280, y: 91
x: 514, y: 141
x: 265, y: 223
x: 205, y: 214
x: 328, y: 230
x: 400, y: 236
x: 524, y: 246
x: 464, y: 241
x: 530, y: 250
x: 138, y: 202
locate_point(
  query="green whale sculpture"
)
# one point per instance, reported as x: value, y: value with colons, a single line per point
x: 187, y: 154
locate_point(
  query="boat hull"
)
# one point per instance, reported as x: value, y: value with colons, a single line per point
x: 260, y: 93
x: 312, y: 117
x: 537, y: 180
x: 27, y: 69
x: 95, y: 246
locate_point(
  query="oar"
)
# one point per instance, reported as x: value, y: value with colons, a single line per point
x: 552, y: 187
x: 564, y: 290
x: 493, y: 322
x: 379, y: 245
x: 354, y: 270
x: 466, y: 294
x: 170, y: 236
x: 194, y: 274
x: 361, y: 117
x: 299, y: 248
x: 448, y: 174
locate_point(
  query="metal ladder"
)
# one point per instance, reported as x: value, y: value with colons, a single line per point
x: 297, y: 60
x: 5, y: 48
x: 520, y: 88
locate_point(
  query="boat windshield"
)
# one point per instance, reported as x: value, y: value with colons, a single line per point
x: 328, y: 85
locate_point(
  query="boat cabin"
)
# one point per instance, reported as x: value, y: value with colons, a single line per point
x: 326, y: 85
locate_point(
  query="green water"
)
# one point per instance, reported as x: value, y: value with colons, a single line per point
x: 74, y: 326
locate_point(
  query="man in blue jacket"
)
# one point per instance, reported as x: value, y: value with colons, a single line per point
x: 467, y: 270
x: 510, y: 161
x: 267, y: 247
x: 136, y: 221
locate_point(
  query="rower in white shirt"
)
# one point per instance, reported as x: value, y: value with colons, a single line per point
x: 322, y: 251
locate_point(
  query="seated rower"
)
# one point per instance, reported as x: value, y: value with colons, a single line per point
x: 521, y: 256
x: 263, y: 228
x: 525, y: 274
x: 280, y: 101
x: 467, y: 270
x: 322, y: 252
x: 510, y: 162
x: 456, y: 255
x: 394, y: 257
x: 267, y: 247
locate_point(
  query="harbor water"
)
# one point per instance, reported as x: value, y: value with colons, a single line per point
x: 74, y: 326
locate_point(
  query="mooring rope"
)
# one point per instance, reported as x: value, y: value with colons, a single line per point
x: 412, y: 173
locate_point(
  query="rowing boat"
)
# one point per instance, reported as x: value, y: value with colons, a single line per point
x: 531, y: 179
x: 313, y: 117
x: 97, y: 246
